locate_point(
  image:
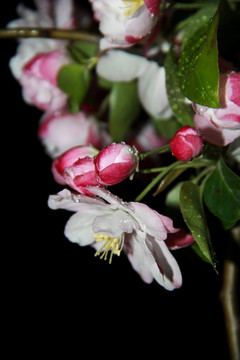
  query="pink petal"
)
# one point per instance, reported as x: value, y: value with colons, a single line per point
x: 179, y: 240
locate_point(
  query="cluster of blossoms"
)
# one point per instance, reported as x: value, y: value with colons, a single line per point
x: 85, y: 159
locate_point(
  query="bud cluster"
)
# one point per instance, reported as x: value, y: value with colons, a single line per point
x: 84, y: 166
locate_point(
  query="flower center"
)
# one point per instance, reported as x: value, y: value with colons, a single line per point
x: 114, y: 245
x: 131, y: 6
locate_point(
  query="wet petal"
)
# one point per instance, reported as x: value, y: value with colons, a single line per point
x: 114, y: 223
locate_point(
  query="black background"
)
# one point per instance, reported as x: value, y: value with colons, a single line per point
x: 57, y: 296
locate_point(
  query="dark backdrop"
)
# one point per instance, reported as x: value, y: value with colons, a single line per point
x: 55, y: 291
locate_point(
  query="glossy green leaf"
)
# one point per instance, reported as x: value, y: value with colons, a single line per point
x: 194, y: 22
x: 124, y: 108
x: 193, y: 213
x: 74, y: 80
x: 181, y: 109
x: 222, y: 194
x: 198, y: 65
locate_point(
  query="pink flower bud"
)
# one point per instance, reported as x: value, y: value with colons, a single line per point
x: 115, y: 163
x: 68, y: 159
x: 221, y: 126
x: 186, y: 143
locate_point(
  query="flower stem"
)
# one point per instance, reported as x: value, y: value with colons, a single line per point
x: 35, y: 32
x: 183, y: 165
x: 161, y: 150
x: 156, y: 180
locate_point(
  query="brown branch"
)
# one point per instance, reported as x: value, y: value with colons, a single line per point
x: 229, y: 301
x: 35, y: 32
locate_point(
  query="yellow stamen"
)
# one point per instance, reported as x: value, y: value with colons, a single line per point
x: 114, y: 245
x: 131, y: 6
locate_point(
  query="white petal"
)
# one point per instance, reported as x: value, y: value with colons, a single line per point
x: 113, y: 200
x: 152, y: 90
x: 67, y: 200
x: 150, y: 220
x: 114, y: 223
x: 118, y: 65
x: 79, y: 227
x: 137, y: 257
x: 163, y: 265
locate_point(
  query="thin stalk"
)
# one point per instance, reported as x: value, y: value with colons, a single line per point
x: 156, y: 180
x: 182, y: 165
x: 35, y: 32
x: 161, y: 150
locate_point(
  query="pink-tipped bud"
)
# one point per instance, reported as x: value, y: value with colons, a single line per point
x: 186, y: 143
x: 81, y: 174
x: 67, y: 160
x: 115, y: 163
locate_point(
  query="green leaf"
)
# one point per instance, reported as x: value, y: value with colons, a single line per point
x: 194, y: 22
x: 222, y: 194
x: 74, y: 80
x: 124, y: 108
x: 193, y: 213
x: 183, y: 111
x: 198, y: 65
x: 82, y: 50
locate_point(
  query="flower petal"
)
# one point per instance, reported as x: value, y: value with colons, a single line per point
x: 67, y: 200
x: 163, y: 265
x: 118, y: 65
x: 152, y: 91
x: 79, y: 227
x: 179, y: 239
x: 137, y: 257
x: 114, y: 223
x: 149, y: 220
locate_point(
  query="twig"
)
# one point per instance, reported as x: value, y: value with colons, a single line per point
x: 35, y: 32
x: 228, y: 297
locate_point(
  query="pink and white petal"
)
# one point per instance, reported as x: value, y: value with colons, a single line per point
x: 67, y: 200
x: 213, y: 134
x: 114, y: 223
x: 149, y: 220
x: 118, y: 65
x: 137, y: 257
x: 163, y: 265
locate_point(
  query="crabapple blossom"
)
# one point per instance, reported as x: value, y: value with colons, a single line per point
x: 123, y: 23
x: 115, y: 163
x: 221, y: 126
x: 118, y: 65
x: 62, y: 130
x: 111, y: 225
x: 68, y: 159
x: 39, y: 80
x: 36, y: 62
